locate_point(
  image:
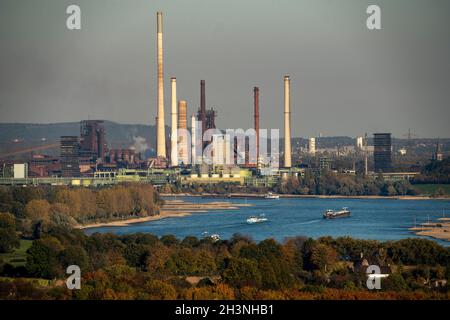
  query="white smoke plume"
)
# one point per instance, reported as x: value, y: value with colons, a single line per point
x: 140, y: 144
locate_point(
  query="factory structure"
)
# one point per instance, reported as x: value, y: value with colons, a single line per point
x: 203, y: 144
x: 196, y: 151
x: 382, y: 153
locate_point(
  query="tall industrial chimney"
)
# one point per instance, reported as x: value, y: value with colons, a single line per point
x: 193, y: 140
x: 182, y: 124
x: 287, y: 123
x: 256, y: 118
x: 174, y: 128
x: 160, y: 129
x: 203, y: 107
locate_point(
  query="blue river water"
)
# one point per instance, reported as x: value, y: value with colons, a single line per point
x: 379, y: 219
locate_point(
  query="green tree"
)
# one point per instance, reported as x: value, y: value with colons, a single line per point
x: 8, y: 236
x: 75, y: 255
x: 395, y: 282
x: 322, y: 256
x: 6, y: 200
x: 8, y: 240
x: 7, y: 221
x: 42, y: 258
x: 242, y: 272
x: 270, y: 279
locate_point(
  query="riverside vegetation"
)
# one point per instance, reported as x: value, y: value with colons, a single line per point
x: 143, y: 266
x: 329, y: 183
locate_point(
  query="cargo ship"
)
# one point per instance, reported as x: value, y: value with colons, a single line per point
x: 331, y: 214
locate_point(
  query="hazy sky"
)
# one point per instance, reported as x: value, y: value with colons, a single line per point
x: 345, y: 79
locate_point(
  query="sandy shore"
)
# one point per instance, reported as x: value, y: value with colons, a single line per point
x: 258, y: 196
x: 171, y: 208
x: 439, y: 229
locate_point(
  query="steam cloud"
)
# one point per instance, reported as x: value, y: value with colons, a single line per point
x: 140, y: 144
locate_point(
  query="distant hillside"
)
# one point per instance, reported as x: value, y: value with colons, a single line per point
x: 17, y: 136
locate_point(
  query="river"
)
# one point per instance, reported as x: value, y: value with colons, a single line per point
x: 379, y: 219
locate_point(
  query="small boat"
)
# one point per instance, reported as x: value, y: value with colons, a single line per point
x: 214, y: 237
x: 331, y: 214
x: 256, y: 219
x: 270, y: 195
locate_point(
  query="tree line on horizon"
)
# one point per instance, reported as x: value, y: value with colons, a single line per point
x: 324, y: 183
x: 327, y: 182
x: 436, y: 172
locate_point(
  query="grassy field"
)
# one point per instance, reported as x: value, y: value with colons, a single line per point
x: 37, y: 281
x: 430, y: 189
x: 18, y: 257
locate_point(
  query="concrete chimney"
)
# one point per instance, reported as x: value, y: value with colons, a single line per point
x: 203, y: 106
x: 182, y: 124
x: 256, y: 118
x: 160, y: 128
x: 193, y: 140
x: 287, y: 123
x: 174, y: 127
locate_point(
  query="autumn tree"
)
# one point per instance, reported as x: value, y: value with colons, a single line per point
x: 159, y: 290
x: 8, y: 236
x: 323, y: 256
x: 37, y: 210
x: 242, y: 272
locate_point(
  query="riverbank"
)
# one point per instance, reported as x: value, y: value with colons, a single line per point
x: 438, y: 230
x: 170, y: 209
x: 261, y: 196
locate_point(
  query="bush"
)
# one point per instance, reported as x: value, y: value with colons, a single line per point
x: 8, y: 236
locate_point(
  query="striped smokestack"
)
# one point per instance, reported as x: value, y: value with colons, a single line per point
x: 182, y: 124
x: 287, y: 122
x: 160, y: 129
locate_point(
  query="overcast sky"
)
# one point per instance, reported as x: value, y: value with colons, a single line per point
x: 345, y: 79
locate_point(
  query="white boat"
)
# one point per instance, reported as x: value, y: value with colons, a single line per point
x: 270, y: 195
x: 214, y: 237
x: 256, y: 219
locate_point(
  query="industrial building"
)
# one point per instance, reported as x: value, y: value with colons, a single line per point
x: 69, y: 156
x: 88, y: 154
x: 207, y: 117
x: 86, y: 160
x: 93, y: 144
x: 359, y: 143
x: 312, y: 146
x: 14, y: 170
x: 183, y: 143
x: 382, y: 153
